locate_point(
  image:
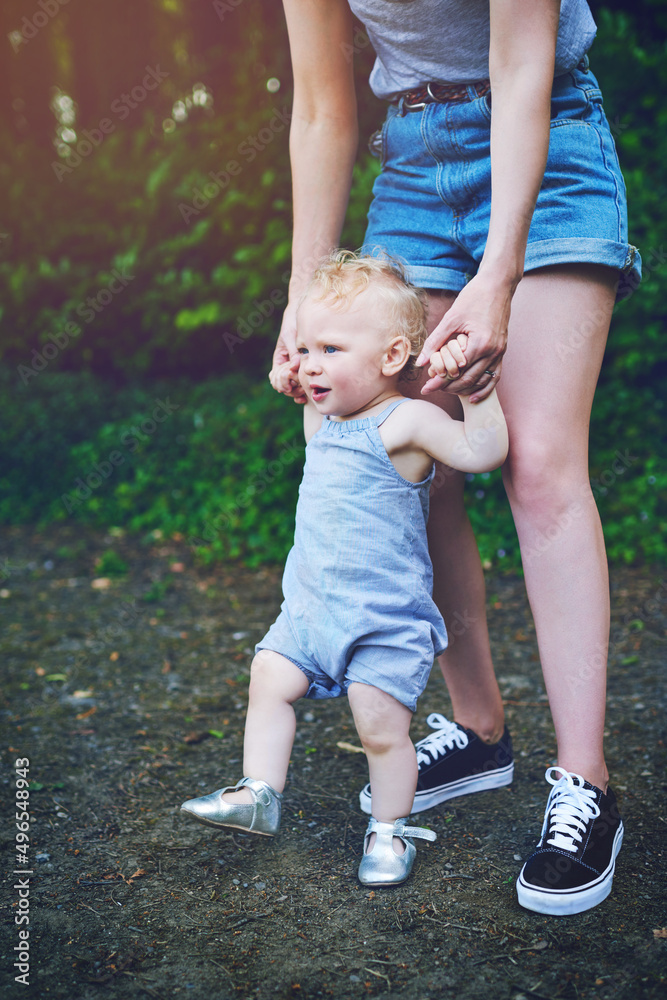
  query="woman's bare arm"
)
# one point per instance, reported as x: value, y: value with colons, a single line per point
x: 323, y: 144
x: 521, y: 64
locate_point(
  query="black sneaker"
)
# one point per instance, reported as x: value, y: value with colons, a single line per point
x: 454, y: 761
x: 572, y: 868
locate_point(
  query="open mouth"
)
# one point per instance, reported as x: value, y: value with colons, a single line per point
x: 319, y: 392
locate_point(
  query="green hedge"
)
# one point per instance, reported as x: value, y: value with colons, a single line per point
x: 130, y: 267
x: 219, y: 463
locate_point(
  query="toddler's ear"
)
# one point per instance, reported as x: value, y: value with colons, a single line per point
x: 396, y: 356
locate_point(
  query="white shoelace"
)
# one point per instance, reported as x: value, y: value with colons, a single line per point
x: 437, y: 744
x: 569, y: 810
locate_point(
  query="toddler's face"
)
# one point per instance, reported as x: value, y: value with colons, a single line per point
x: 342, y: 351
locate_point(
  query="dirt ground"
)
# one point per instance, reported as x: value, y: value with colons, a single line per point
x: 127, y: 696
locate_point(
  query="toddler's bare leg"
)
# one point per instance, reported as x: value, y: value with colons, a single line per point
x: 275, y: 683
x: 383, y: 725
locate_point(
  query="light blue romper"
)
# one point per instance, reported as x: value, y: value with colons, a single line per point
x: 358, y: 580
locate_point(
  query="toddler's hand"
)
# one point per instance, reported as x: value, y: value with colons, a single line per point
x: 284, y: 378
x: 447, y: 362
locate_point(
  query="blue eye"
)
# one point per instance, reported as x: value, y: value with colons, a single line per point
x: 302, y: 350
x: 330, y: 349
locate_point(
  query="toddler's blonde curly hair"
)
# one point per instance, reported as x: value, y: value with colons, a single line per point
x: 344, y: 274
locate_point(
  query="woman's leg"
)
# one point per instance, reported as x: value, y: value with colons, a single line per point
x: 275, y: 684
x: 383, y: 725
x: 558, y: 330
x: 458, y: 582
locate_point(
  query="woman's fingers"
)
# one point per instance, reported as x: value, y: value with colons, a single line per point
x: 482, y: 381
x: 284, y: 374
x: 478, y: 382
x: 278, y: 377
x: 435, y: 382
x: 486, y: 383
x: 432, y: 344
x: 296, y: 391
x: 284, y: 378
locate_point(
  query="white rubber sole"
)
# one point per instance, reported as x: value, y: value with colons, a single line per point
x: 566, y: 902
x: 483, y: 782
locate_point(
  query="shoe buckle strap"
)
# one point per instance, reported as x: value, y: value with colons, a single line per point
x: 420, y: 832
x: 262, y: 791
x: 399, y: 829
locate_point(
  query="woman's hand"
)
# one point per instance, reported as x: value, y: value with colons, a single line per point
x: 284, y: 372
x: 481, y: 312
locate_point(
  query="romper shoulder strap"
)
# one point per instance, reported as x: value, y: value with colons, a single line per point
x: 381, y: 417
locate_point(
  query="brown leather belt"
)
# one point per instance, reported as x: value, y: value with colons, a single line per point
x: 441, y: 93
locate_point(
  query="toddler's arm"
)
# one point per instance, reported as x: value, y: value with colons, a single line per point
x: 312, y: 421
x: 479, y: 444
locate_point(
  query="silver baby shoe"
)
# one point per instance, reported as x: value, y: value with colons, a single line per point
x: 382, y: 866
x: 262, y: 816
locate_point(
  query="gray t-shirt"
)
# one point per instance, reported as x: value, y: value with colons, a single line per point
x: 447, y: 41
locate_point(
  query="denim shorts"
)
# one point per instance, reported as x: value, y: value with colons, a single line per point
x: 431, y: 202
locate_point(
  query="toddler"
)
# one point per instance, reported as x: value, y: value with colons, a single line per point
x: 358, y: 618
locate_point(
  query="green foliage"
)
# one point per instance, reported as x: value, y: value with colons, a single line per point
x: 154, y: 258
x: 165, y: 255
x: 50, y: 417
x: 158, y: 590
x: 111, y: 564
x: 632, y: 69
x: 218, y: 462
x: 223, y: 466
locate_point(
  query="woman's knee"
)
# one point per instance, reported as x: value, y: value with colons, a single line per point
x: 543, y: 482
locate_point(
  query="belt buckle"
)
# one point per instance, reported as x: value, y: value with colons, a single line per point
x: 414, y: 107
x: 422, y: 104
